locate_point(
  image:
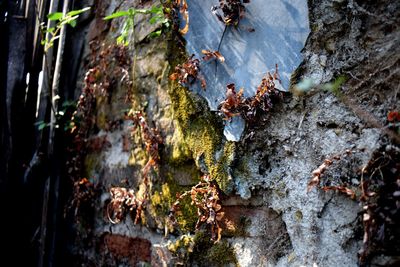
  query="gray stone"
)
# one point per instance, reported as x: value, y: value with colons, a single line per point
x: 281, y: 28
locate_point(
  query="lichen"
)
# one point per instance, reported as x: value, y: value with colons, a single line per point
x: 298, y: 215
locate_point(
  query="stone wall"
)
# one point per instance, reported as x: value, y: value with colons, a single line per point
x: 269, y: 217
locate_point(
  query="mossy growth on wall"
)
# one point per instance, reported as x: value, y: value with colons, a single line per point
x: 199, y: 249
x: 161, y: 200
x: 200, y: 131
x: 209, y: 253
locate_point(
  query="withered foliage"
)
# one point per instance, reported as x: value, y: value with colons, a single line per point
x: 233, y: 102
x: 98, y: 81
x: 232, y: 11
x: 107, y: 67
x: 318, y: 172
x: 268, y: 92
x: 188, y: 72
x: 206, y: 197
x: 212, y: 55
x: 393, y: 116
x: 379, y: 195
x: 151, y: 137
x: 380, y: 187
x: 342, y: 189
x: 84, y: 193
x: 123, y: 200
x: 182, y: 6
x: 252, y: 108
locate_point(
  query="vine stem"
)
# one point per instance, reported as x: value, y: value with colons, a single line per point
x: 219, y: 47
x: 134, y: 56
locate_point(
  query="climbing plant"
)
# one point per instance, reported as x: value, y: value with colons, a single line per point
x: 61, y: 19
x: 157, y: 16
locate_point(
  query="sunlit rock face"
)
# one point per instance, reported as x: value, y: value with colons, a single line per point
x: 271, y: 32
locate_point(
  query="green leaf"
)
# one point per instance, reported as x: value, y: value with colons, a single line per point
x: 72, y: 23
x: 157, y: 10
x: 68, y: 20
x: 55, y: 16
x: 77, y: 12
x: 41, y: 125
x: 154, y: 19
x: 117, y: 15
x: 121, y: 40
x: 155, y: 34
x: 50, y: 30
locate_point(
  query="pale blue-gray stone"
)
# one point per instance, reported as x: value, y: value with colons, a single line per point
x: 281, y: 29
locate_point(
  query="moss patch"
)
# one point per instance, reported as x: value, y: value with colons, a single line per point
x: 200, y: 136
x: 92, y: 163
x: 182, y: 247
x: 161, y: 201
x: 212, y: 254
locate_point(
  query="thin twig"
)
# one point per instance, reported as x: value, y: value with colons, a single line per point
x: 219, y: 47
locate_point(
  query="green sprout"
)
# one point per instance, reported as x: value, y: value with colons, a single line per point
x: 61, y: 19
x: 129, y: 24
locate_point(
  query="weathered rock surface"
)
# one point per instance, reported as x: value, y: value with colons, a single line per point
x: 270, y: 218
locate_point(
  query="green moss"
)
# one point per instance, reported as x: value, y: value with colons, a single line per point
x: 212, y: 254
x: 183, y: 244
x: 101, y: 118
x: 221, y: 254
x: 200, y: 136
x: 161, y: 201
x: 220, y: 171
x: 180, y: 153
x: 92, y: 163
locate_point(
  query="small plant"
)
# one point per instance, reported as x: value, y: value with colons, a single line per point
x: 129, y: 23
x: 379, y: 196
x: 206, y: 197
x: 151, y: 137
x: 183, y: 9
x: 123, y: 200
x: 188, y: 72
x: 317, y: 173
x: 212, y: 55
x: 233, y: 102
x: 84, y: 193
x: 268, y: 92
x: 70, y: 18
x: 232, y: 11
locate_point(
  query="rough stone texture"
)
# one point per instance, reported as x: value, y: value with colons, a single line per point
x: 270, y: 220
